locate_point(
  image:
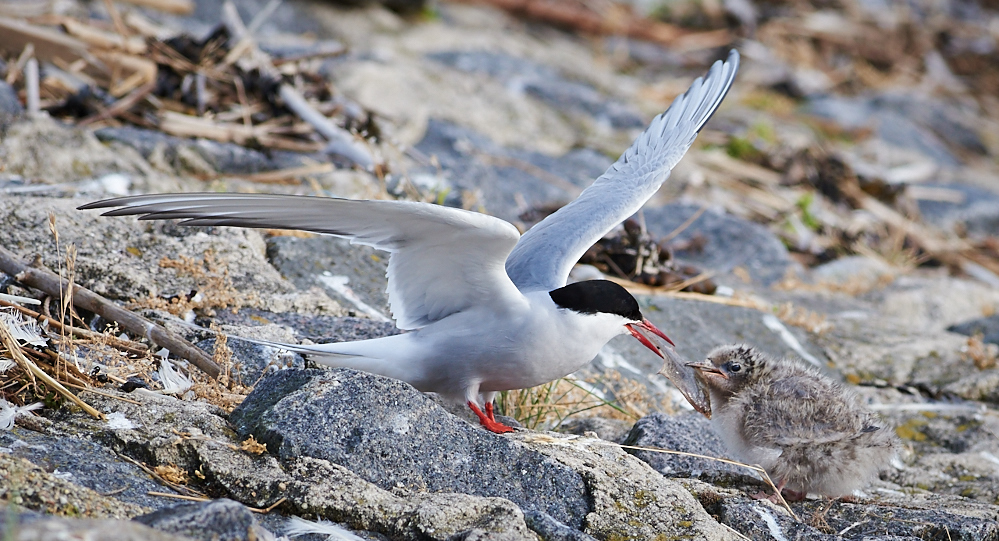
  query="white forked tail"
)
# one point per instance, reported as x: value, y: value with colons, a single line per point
x: 374, y: 355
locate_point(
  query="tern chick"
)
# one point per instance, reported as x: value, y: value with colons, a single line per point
x: 807, y: 431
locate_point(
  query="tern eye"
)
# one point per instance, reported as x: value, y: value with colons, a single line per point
x: 734, y: 367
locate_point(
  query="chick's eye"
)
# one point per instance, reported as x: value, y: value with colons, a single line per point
x: 734, y: 367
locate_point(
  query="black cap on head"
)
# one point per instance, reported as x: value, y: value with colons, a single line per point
x: 595, y: 296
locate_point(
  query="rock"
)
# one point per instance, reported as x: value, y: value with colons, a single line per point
x: 20, y: 525
x: 552, y: 530
x: 215, y: 520
x: 687, y: 432
x: 194, y: 437
x: 10, y: 106
x: 976, y: 214
x: 893, y: 122
x: 83, y: 463
x: 544, y: 83
x: 251, y: 361
x: 26, y: 485
x: 506, y: 182
x: 217, y: 157
x: 315, y: 413
x: 729, y: 242
x: 318, y: 328
x: 42, y: 148
x: 860, y: 273
x: 317, y: 487
x: 605, y: 429
x: 924, y: 302
x: 629, y: 499
x: 121, y: 258
x: 899, y: 129
x: 885, y: 518
x: 988, y: 327
x: 353, y: 275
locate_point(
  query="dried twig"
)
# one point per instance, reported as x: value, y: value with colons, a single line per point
x: 581, y: 17
x: 179, y: 7
x: 181, y: 489
x: 88, y: 300
x: 341, y: 141
x: 179, y: 496
x: 105, y: 395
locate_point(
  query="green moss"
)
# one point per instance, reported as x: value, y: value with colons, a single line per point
x: 741, y: 148
x: 804, y: 204
x: 71, y: 511
x: 910, y: 430
x: 764, y: 131
x: 644, y: 498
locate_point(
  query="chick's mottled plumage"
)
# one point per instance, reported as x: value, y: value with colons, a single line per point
x: 810, y: 433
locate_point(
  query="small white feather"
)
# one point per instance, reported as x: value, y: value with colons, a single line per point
x: 9, y: 411
x: 299, y: 526
x: 173, y: 382
x: 25, y: 330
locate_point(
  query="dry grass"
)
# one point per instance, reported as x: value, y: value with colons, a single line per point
x: 854, y: 286
x: 812, y: 322
x: 223, y: 392
x: 172, y: 473
x: 982, y: 354
x: 214, y: 288
x: 548, y: 406
x: 252, y: 446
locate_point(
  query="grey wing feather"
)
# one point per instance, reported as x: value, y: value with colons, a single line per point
x: 443, y: 259
x: 546, y: 253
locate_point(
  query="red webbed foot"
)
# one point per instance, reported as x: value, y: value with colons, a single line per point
x: 488, y: 420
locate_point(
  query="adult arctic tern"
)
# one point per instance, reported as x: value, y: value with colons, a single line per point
x: 488, y: 310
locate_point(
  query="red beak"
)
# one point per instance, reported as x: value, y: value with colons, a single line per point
x: 647, y: 325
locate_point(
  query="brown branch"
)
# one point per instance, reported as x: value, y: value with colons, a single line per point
x: 579, y: 17
x: 49, y: 283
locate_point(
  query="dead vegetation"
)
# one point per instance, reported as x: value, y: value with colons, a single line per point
x: 214, y: 289
x: 548, y: 406
x: 125, y: 72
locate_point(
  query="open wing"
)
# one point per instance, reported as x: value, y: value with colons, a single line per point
x: 443, y: 260
x: 545, y: 254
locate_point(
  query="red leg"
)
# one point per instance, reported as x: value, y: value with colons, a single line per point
x: 487, y: 422
x: 489, y: 411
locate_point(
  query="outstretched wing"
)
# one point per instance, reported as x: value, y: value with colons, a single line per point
x: 546, y: 253
x: 443, y: 260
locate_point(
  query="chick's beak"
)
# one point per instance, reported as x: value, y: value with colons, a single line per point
x: 646, y: 325
x: 706, y: 368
